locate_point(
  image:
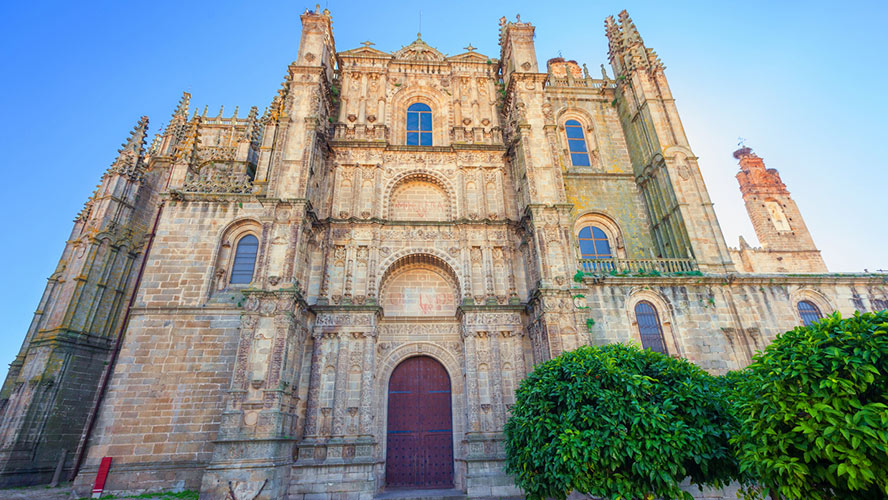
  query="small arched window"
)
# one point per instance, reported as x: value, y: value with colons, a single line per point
x: 576, y: 143
x: 809, y: 312
x: 595, y: 245
x: 419, y: 125
x: 649, y: 327
x: 244, y: 260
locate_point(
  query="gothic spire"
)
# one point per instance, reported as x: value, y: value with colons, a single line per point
x: 182, y: 108
x: 131, y: 154
x: 154, y: 148
x: 253, y: 126
x: 626, y: 48
x: 187, y: 149
x: 180, y: 115
x: 630, y: 33
x: 175, y: 130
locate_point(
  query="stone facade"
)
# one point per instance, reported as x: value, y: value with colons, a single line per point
x: 148, y: 347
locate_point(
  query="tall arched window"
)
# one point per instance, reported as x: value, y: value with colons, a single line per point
x: 576, y: 143
x: 244, y: 260
x: 649, y: 327
x: 595, y: 245
x: 809, y: 312
x: 419, y: 125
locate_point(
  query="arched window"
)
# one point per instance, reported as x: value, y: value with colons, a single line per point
x: 419, y: 125
x: 809, y: 312
x: 576, y: 143
x: 594, y: 245
x: 244, y: 260
x: 649, y: 327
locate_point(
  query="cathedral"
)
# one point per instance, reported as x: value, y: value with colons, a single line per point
x: 336, y: 298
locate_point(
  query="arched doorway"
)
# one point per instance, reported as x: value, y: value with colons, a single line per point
x: 419, y: 445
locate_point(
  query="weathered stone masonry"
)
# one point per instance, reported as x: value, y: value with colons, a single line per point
x: 372, y: 250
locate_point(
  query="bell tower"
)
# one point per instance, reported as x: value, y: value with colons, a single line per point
x: 776, y: 218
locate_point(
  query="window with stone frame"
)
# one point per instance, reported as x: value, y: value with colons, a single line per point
x: 778, y: 217
x: 595, y: 246
x: 419, y: 125
x: 649, y: 327
x: 244, y: 260
x: 576, y: 144
x: 809, y: 312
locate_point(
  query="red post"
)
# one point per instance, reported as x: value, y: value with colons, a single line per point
x: 102, y: 475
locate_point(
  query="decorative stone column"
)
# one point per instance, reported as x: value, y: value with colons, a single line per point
x: 485, y: 456
x: 255, y: 443
x: 344, y: 336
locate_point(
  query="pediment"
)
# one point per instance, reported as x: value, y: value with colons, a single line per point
x: 470, y: 57
x: 365, y: 51
x: 418, y: 51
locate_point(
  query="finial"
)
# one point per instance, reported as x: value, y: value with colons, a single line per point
x: 130, y: 154
x: 155, y: 143
x: 418, y: 35
x: 368, y: 43
x: 470, y: 48
x: 182, y: 107
x: 630, y: 33
x: 221, y: 110
x: 235, y: 111
x: 206, y: 108
x: 137, y: 136
x: 741, y: 142
x: 317, y: 8
x: 503, y: 21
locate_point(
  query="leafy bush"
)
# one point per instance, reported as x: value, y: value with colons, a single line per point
x: 814, y: 414
x: 619, y: 422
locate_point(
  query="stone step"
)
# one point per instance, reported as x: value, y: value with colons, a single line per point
x: 421, y: 495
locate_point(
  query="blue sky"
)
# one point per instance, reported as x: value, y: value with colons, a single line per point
x: 803, y: 82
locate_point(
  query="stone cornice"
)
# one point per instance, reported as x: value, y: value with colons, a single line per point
x: 385, y: 222
x: 593, y: 175
x: 741, y: 279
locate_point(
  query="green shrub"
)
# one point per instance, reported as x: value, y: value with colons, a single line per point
x: 814, y: 414
x: 619, y: 422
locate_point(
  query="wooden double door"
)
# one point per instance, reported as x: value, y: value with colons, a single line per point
x: 419, y: 449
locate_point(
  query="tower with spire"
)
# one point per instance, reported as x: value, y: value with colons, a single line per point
x: 48, y: 393
x: 682, y: 214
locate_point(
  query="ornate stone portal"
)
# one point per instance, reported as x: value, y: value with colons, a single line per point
x: 253, y: 283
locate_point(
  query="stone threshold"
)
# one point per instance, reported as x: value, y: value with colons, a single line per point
x: 449, y: 494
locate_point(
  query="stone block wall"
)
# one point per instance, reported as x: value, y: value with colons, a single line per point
x: 719, y: 323
x: 420, y: 291
x: 618, y: 199
x: 165, y: 402
x: 766, y: 261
